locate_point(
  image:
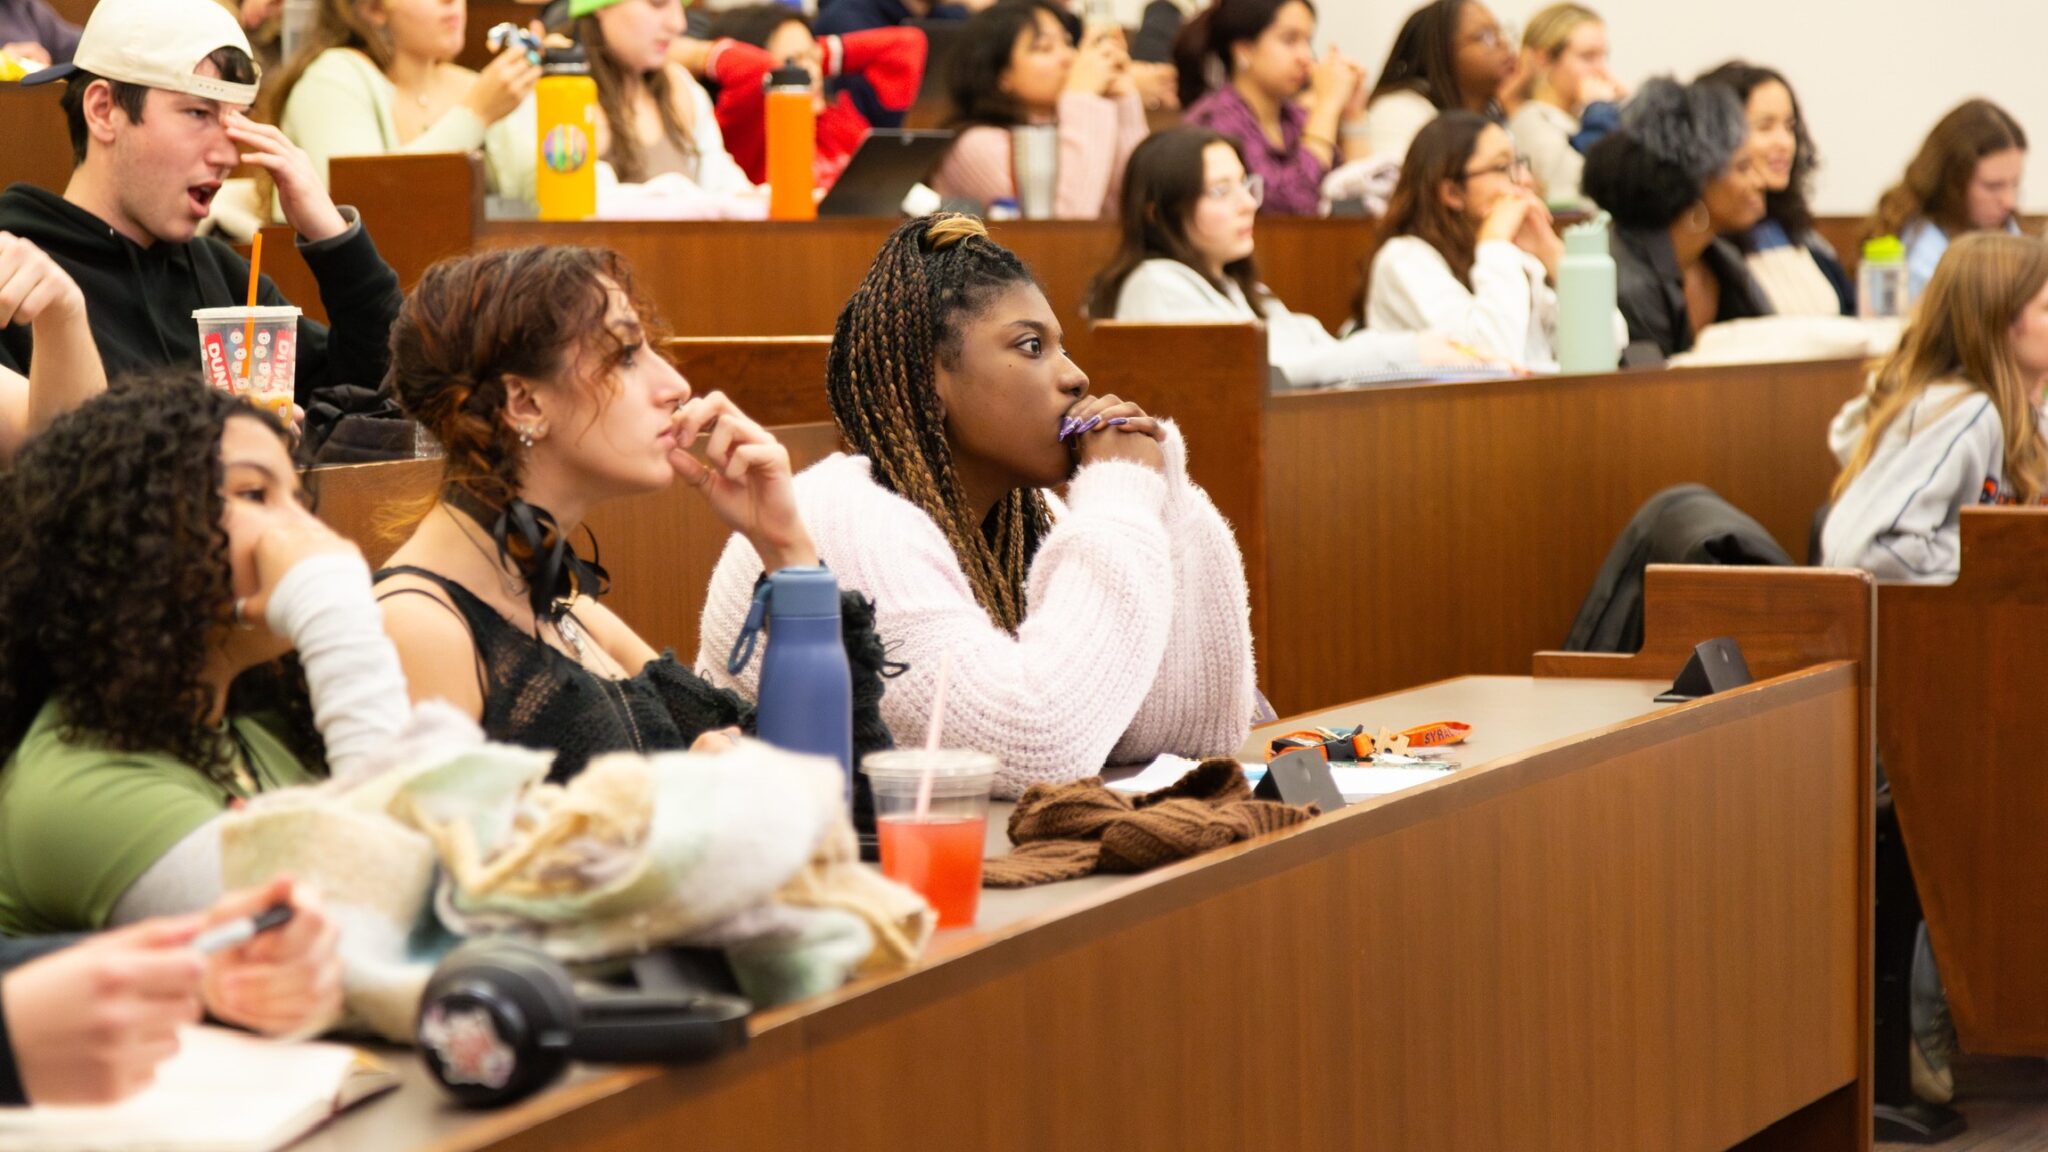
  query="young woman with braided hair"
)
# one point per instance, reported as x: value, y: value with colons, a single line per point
x: 1105, y: 629
x: 533, y: 369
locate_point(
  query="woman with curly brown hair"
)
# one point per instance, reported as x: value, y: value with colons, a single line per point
x: 536, y: 370
x: 159, y: 565
x: 1105, y: 628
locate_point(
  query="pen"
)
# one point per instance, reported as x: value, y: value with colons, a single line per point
x: 241, y: 931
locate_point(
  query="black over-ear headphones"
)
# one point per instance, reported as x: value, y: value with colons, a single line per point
x: 501, y: 1020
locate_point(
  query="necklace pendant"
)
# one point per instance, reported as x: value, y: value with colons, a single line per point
x: 572, y: 635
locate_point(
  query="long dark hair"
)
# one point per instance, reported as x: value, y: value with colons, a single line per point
x: 1424, y: 58
x: 115, y: 583
x: 1788, y: 207
x: 974, y: 78
x: 613, y: 85
x: 1937, y: 180
x: 1440, y: 152
x: 1162, y: 186
x: 932, y: 274
x: 1205, y: 40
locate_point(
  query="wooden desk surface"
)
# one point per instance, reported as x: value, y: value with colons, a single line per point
x: 1629, y: 926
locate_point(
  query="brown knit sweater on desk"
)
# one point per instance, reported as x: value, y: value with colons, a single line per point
x: 1065, y: 831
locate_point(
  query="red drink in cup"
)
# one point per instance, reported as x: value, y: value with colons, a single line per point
x: 940, y: 859
x: 252, y: 352
x: 936, y: 852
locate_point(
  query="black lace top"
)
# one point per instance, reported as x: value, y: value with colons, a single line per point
x: 537, y: 696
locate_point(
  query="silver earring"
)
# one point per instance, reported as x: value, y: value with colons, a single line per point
x: 241, y: 615
x: 526, y: 435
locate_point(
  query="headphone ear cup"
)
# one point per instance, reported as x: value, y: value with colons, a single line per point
x: 497, y: 1022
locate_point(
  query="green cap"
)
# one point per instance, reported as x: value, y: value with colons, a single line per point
x: 1884, y: 250
x: 581, y: 8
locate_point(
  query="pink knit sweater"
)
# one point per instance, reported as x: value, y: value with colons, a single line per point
x: 1136, y: 638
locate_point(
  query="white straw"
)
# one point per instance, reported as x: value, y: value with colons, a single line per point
x: 931, y: 736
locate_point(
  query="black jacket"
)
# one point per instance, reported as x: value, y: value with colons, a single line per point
x: 1651, y: 289
x: 13, y: 954
x: 140, y: 301
x: 1686, y: 524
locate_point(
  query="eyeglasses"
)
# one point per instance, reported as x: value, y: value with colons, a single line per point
x: 1253, y: 185
x: 1515, y: 169
x: 1489, y: 37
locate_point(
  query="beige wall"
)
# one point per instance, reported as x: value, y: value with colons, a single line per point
x: 1872, y: 75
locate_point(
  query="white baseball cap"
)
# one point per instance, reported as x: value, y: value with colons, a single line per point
x: 157, y: 44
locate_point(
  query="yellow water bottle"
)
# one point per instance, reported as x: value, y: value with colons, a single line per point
x: 565, y: 170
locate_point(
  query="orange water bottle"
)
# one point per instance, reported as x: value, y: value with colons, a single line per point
x: 565, y: 171
x: 792, y: 145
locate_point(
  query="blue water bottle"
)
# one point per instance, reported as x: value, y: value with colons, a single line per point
x: 806, y: 700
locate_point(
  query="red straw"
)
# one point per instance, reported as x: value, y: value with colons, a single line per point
x: 249, y: 328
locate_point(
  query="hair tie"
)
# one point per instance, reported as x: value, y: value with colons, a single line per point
x: 950, y: 229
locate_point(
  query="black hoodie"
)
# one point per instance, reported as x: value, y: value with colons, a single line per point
x: 140, y: 301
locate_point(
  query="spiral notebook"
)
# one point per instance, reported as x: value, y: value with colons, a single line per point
x: 224, y: 1091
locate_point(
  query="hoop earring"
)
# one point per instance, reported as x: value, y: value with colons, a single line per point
x: 240, y: 616
x: 1706, y: 218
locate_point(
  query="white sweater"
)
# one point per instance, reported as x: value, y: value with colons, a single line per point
x: 1899, y: 519
x: 1393, y: 121
x: 1136, y: 638
x: 1543, y: 133
x: 1304, y: 352
x: 1510, y: 310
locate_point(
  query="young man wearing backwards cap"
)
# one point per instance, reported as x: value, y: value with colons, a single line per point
x: 156, y: 96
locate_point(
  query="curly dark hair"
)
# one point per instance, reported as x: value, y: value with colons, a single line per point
x: 114, y: 575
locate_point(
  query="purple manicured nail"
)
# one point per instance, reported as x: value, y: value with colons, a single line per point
x: 1066, y: 426
x: 1093, y: 423
x: 1120, y: 421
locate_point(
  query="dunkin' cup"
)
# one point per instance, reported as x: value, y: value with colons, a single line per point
x: 939, y: 855
x: 259, y: 360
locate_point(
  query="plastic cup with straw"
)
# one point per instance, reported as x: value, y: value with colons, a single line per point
x: 234, y: 340
x: 931, y: 813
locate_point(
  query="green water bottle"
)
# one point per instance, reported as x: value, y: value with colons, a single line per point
x: 1585, y: 300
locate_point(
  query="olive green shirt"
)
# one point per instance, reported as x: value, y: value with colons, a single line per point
x: 79, y: 822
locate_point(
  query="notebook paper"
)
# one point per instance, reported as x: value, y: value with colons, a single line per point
x: 224, y: 1091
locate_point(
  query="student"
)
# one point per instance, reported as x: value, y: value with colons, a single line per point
x: 31, y: 30
x: 1796, y: 268
x: 1467, y: 248
x: 1965, y: 178
x: 534, y: 370
x: 87, y: 1021
x: 156, y: 539
x: 751, y: 42
x: 36, y: 292
x: 1293, y: 117
x: 1676, y: 176
x: 1016, y: 64
x: 1106, y: 627
x: 155, y: 99
x: 1449, y: 56
x: 653, y: 117
x: 1186, y: 256
x: 1952, y: 419
x: 1570, y: 100
x: 379, y: 77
